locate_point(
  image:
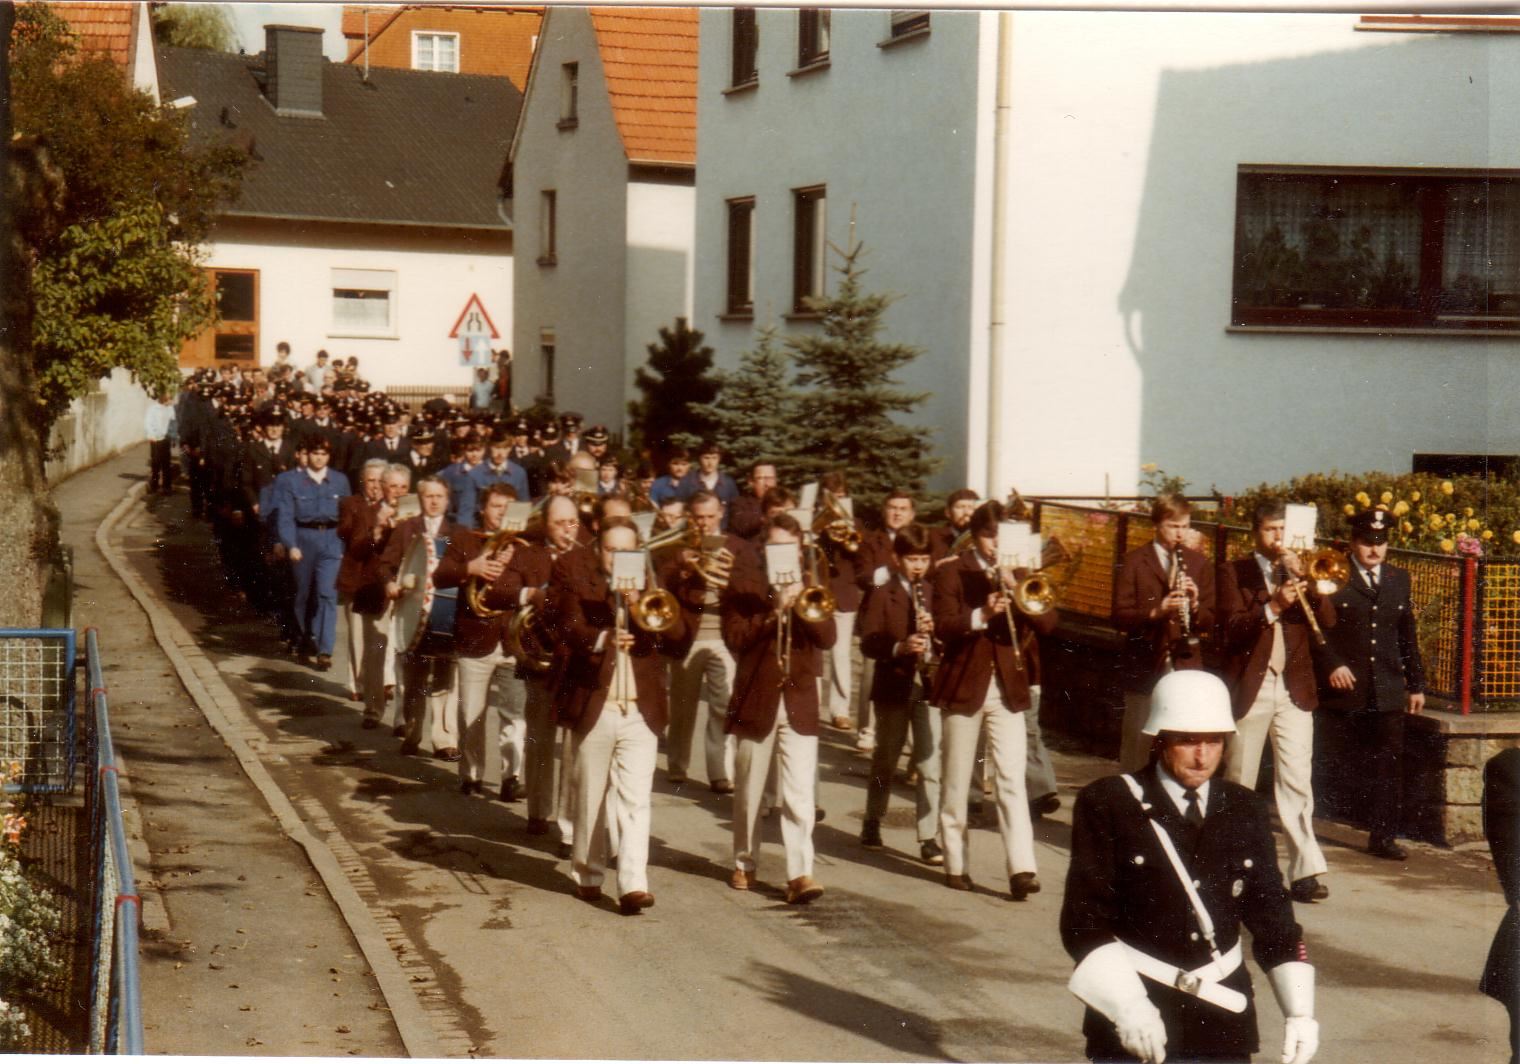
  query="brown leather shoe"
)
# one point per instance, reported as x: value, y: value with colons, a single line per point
x: 802, y: 890
x: 448, y: 753
x: 410, y: 748
x: 722, y: 786
x: 635, y: 902
x: 537, y: 826
x: 842, y: 723
x: 591, y: 894
x: 955, y: 882
x: 741, y: 880
x: 1023, y: 884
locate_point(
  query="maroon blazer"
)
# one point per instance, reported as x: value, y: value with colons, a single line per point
x: 359, y: 574
x: 844, y: 574
x: 585, y: 609
x: 750, y: 632
x: 1247, y: 637
x: 401, y: 540
x: 745, y: 517
x: 971, y: 658
x: 1139, y: 588
x: 886, y: 620
x: 476, y: 636
x: 941, y: 538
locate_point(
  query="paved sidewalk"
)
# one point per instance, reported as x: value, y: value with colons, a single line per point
x: 243, y: 949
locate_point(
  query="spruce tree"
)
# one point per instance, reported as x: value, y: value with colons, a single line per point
x: 755, y: 416
x: 678, y: 387
x: 850, y: 399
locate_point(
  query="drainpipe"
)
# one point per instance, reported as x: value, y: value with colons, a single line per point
x: 997, y: 325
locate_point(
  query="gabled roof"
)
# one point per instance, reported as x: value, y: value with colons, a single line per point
x: 102, y: 28
x: 353, y: 23
x: 405, y: 147
x: 649, y: 56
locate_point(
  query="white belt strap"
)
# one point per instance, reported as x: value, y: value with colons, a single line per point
x: 1202, y: 983
x: 1205, y: 922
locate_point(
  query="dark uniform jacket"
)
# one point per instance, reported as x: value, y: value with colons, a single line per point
x: 1141, y: 586
x: 1501, y: 823
x: 973, y: 657
x: 750, y: 631
x: 886, y: 619
x: 1374, y: 636
x: 260, y: 466
x: 1247, y: 637
x: 1120, y: 885
x: 744, y: 517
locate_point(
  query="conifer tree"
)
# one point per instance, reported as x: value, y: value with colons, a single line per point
x: 755, y: 416
x: 849, y: 397
x: 678, y: 386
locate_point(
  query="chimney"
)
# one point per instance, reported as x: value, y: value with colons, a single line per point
x: 293, y: 66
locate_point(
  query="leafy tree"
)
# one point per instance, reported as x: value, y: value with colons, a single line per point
x: 755, y: 415
x: 194, y: 26
x: 677, y: 385
x: 849, y: 398
x: 113, y: 261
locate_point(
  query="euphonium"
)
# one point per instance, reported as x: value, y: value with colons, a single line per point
x: 835, y: 522
x: 528, y: 642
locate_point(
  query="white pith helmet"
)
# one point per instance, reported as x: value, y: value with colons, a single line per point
x: 1190, y: 702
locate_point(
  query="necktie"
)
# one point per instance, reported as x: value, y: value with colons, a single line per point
x: 1194, y: 814
x: 1372, y: 580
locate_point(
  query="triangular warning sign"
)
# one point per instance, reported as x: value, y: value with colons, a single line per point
x: 479, y: 309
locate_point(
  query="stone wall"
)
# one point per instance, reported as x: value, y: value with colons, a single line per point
x: 98, y: 426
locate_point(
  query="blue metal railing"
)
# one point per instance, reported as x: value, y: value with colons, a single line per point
x: 37, y: 708
x: 115, y: 989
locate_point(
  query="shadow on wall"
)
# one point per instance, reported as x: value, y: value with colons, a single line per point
x: 1235, y: 409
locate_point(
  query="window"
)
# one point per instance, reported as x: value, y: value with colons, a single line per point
x: 546, y: 363
x: 812, y: 36
x: 364, y: 303
x: 1377, y: 249
x: 235, y: 337
x: 741, y: 257
x: 809, y: 265
x: 908, y: 23
x: 746, y: 45
x: 569, y: 95
x: 547, y: 234
x: 435, y: 51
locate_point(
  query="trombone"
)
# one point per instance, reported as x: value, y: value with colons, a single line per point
x: 814, y: 604
x: 1328, y: 571
x: 656, y: 609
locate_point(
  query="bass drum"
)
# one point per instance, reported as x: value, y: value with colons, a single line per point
x: 411, y: 609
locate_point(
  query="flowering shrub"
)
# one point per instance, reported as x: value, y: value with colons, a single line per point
x: 28, y: 918
x: 1464, y: 516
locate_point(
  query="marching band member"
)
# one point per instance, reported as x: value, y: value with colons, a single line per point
x: 429, y: 698
x: 706, y: 674
x: 897, y: 633
x: 378, y: 662
x: 356, y: 518
x: 844, y: 584
x: 959, y: 507
x: 1164, y: 610
x: 746, y: 515
x: 308, y: 523
x: 773, y: 711
x: 983, y: 684
x: 481, y: 645
x: 1166, y: 865
x: 614, y: 706
x: 1270, y: 667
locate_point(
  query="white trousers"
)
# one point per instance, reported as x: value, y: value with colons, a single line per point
x: 616, y: 757
x: 379, y: 662
x: 488, y: 683
x: 1039, y: 771
x: 1005, y: 761
x: 839, y: 669
x: 796, y: 769
x: 1291, y: 730
x: 353, y: 637
x: 430, y: 701
x: 1134, y: 746
x: 705, y: 676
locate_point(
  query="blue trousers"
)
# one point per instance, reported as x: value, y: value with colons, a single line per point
x: 317, y: 585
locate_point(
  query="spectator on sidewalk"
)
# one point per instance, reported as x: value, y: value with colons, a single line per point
x: 162, y: 430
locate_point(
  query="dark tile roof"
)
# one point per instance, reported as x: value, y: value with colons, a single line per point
x: 406, y: 147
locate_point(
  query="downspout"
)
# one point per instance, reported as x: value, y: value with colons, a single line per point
x: 997, y: 324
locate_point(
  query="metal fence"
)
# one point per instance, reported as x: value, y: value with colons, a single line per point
x: 39, y: 729
x: 1467, y: 609
x: 115, y: 989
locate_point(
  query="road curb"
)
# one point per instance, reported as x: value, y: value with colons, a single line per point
x: 217, y: 703
x: 155, y: 914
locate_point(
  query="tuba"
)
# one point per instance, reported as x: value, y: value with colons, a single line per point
x: 528, y: 640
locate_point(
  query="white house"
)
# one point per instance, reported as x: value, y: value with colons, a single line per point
x: 602, y: 187
x: 372, y: 218
x: 1239, y: 246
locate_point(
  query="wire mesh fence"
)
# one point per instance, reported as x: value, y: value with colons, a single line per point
x: 1469, y: 640
x: 37, y: 700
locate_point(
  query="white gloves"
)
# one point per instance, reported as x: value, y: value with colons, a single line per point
x: 1107, y: 981
x: 1293, y: 984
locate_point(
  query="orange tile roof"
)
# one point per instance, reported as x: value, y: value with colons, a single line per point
x: 649, y: 55
x: 102, y: 28
x: 353, y: 24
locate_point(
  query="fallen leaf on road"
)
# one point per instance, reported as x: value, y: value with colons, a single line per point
x: 253, y: 1042
x: 215, y: 967
x: 344, y: 1028
x: 245, y: 1008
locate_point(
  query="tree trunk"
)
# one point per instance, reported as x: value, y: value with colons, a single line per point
x: 28, y: 526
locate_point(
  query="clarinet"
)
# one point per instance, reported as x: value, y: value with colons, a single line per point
x: 1187, y: 647
x: 928, y: 659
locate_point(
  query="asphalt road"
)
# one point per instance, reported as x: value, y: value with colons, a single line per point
x: 888, y: 965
